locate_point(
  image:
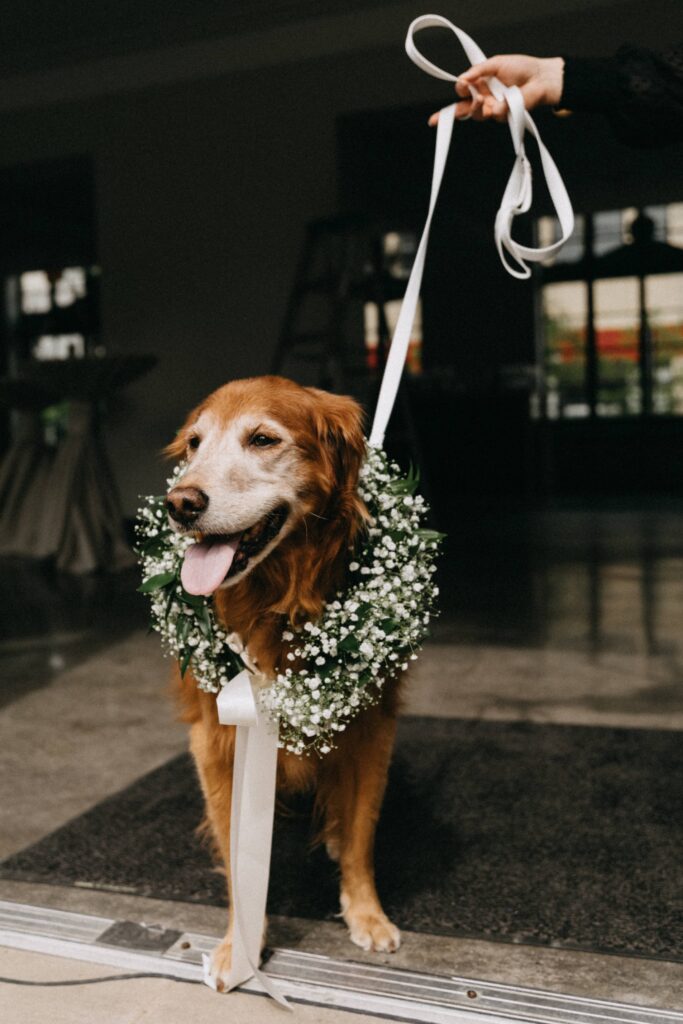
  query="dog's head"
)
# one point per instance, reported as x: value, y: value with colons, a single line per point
x: 267, y: 460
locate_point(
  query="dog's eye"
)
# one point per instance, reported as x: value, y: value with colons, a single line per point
x: 194, y: 442
x: 263, y: 440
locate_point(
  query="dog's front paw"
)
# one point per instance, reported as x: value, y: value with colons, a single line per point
x: 372, y: 930
x: 217, y: 967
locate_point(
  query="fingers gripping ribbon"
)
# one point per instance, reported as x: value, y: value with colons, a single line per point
x: 518, y: 193
x: 516, y: 199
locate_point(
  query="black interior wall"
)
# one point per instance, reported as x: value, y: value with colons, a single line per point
x: 47, y: 215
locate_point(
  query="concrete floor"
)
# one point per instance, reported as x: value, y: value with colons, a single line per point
x: 133, y: 1001
x: 572, y: 620
x: 91, y: 730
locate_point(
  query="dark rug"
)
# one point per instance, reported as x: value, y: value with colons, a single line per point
x: 550, y: 835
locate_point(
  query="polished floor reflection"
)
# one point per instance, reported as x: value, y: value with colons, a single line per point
x: 605, y: 579
x: 567, y: 615
x: 51, y: 621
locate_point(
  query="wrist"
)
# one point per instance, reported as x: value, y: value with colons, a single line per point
x: 552, y: 73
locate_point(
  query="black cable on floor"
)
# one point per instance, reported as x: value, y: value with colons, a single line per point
x: 95, y: 981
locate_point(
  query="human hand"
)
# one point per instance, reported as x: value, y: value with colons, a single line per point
x: 540, y: 81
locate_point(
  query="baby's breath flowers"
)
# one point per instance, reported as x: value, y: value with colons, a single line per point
x: 187, y: 625
x: 332, y: 668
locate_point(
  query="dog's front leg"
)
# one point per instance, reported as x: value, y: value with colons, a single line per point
x: 353, y: 782
x: 213, y: 749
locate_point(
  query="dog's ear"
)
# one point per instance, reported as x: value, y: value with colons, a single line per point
x: 178, y: 446
x: 339, y: 427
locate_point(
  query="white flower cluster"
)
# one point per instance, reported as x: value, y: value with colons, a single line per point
x: 370, y: 631
x: 339, y: 664
x: 187, y: 625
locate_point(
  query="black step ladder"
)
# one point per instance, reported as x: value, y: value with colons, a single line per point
x: 342, y: 266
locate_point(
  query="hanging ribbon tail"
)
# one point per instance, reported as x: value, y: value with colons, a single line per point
x: 251, y: 831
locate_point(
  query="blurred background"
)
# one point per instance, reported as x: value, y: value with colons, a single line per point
x: 160, y: 169
x: 219, y: 190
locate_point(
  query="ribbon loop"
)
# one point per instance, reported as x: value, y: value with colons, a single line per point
x: 519, y: 122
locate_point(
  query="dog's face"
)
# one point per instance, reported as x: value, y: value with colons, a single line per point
x: 262, y: 455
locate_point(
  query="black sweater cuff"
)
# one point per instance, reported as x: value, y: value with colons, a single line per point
x: 590, y: 84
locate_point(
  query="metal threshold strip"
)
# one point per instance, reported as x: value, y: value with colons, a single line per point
x: 310, y: 978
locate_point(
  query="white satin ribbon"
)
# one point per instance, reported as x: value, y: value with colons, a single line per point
x: 251, y: 830
x: 516, y: 199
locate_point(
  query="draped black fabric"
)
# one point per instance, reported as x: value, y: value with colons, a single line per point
x: 640, y: 91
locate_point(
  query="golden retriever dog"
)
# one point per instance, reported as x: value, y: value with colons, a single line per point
x: 271, y: 493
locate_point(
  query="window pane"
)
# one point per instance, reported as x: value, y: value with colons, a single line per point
x: 674, y: 224
x: 35, y: 292
x: 608, y: 230
x: 59, y: 346
x: 564, y: 309
x: 70, y: 285
x: 548, y: 231
x: 664, y: 301
x: 658, y: 216
x: 617, y: 328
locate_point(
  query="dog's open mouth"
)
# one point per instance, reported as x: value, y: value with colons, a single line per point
x: 212, y: 560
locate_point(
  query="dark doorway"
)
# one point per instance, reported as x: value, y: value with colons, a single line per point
x: 478, y: 399
x: 47, y: 222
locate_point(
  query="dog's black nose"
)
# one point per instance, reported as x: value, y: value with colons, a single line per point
x: 185, y: 503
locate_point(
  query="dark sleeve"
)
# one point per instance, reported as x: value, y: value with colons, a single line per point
x: 640, y: 91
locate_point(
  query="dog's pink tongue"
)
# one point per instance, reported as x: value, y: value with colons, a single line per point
x: 206, y: 564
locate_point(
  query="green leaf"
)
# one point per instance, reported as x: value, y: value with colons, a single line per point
x: 396, y: 535
x: 204, y: 620
x: 406, y: 485
x: 156, y: 582
x: 349, y: 643
x: 234, y: 660
x: 183, y: 623
x: 193, y: 600
x: 430, y: 535
x: 413, y: 475
x: 154, y: 546
x: 389, y: 626
x: 185, y: 661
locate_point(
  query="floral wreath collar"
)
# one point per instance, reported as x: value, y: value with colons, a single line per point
x: 366, y: 634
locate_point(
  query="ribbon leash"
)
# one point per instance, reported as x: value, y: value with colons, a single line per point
x: 256, y: 744
x: 517, y: 199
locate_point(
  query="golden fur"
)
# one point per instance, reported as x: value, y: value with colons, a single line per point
x: 291, y: 585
